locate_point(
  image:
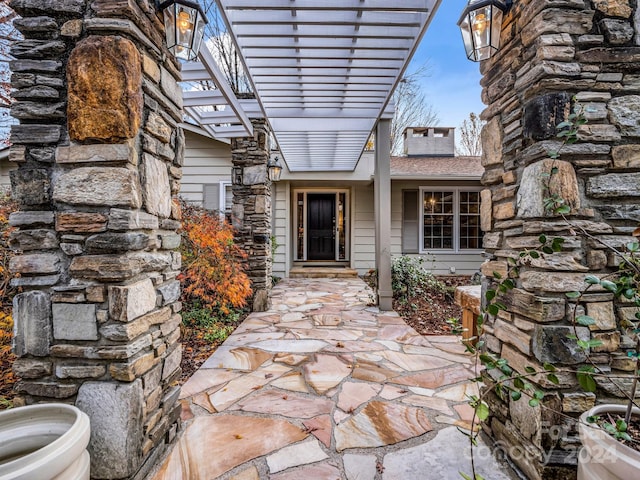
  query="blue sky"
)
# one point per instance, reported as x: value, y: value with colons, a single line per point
x: 453, y: 87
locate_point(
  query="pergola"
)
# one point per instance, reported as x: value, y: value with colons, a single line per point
x: 323, y: 72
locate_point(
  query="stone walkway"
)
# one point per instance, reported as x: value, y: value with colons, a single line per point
x: 324, y: 387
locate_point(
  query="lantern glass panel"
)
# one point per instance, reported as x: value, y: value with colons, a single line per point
x: 198, y: 34
x: 170, y: 26
x: 467, y: 38
x: 480, y: 21
x: 496, y: 27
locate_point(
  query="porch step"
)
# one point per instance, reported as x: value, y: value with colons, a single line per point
x: 322, y: 272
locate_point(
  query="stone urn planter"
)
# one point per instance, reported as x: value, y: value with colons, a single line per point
x: 44, y: 442
x: 602, y: 456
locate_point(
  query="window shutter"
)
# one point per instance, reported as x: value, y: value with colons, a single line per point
x: 211, y: 196
x: 410, y: 233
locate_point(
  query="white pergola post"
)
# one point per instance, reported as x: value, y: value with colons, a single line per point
x: 382, y: 193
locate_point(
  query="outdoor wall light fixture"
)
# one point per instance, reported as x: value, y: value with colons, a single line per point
x: 480, y: 24
x: 275, y: 169
x: 236, y: 176
x: 184, y: 23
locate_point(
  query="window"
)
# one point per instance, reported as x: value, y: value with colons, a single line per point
x: 219, y: 196
x: 447, y: 219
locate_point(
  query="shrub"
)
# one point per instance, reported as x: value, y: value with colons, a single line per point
x: 213, y: 276
x: 409, y: 277
x: 7, y: 292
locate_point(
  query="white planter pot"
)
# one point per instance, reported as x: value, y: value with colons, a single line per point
x: 44, y: 442
x: 602, y: 456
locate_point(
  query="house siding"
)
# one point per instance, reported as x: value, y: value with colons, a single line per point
x: 363, y: 250
x: 281, y: 229
x: 438, y: 263
x: 206, y: 162
x: 5, y: 167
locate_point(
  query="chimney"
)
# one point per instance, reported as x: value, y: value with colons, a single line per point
x: 430, y: 142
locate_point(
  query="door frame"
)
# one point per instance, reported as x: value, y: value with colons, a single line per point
x: 295, y: 226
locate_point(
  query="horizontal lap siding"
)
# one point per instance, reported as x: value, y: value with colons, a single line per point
x: 363, y: 254
x: 206, y: 161
x: 280, y: 229
x: 5, y: 168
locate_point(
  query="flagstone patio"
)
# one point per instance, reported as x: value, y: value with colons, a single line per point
x: 324, y: 386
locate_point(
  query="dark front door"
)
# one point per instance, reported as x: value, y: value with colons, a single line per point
x: 321, y: 217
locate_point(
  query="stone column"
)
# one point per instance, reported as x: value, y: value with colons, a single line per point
x: 552, y: 52
x: 99, y: 153
x: 251, y: 211
x: 382, y: 193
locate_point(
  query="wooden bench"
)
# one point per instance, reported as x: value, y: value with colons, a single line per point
x: 469, y: 299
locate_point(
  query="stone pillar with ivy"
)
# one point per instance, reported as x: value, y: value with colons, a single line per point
x: 98, y: 153
x: 553, y: 212
x: 251, y: 210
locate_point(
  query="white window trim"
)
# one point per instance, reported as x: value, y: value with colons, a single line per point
x: 456, y: 220
x: 223, y: 197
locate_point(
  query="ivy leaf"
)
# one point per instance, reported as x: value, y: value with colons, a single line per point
x: 516, y: 395
x: 490, y: 295
x: 573, y: 294
x: 482, y: 411
x: 585, y: 320
x: 585, y: 379
x: 609, y: 285
x: 493, y: 309
x: 542, y: 239
x: 530, y: 369
x: 563, y: 210
x: 550, y: 367
x: 553, y: 379
x: 534, y: 402
x: 556, y: 245
x: 592, y: 280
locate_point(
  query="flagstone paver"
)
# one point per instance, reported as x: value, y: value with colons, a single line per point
x: 325, y: 386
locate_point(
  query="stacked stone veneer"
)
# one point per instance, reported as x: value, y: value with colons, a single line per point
x: 554, y: 50
x: 99, y: 156
x: 251, y: 210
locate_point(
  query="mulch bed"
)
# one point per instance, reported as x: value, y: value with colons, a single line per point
x: 428, y: 313
x: 196, y: 349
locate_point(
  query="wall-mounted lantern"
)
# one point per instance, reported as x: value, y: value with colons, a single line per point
x: 275, y: 169
x: 236, y: 176
x: 481, y: 24
x: 184, y: 23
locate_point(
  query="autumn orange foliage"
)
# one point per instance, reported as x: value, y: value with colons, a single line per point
x: 7, y: 293
x: 213, y: 274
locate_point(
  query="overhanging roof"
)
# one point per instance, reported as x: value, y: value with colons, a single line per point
x: 324, y: 70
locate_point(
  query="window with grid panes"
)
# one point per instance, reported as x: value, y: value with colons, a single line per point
x: 448, y: 220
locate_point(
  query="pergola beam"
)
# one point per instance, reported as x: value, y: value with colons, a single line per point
x: 232, y: 101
